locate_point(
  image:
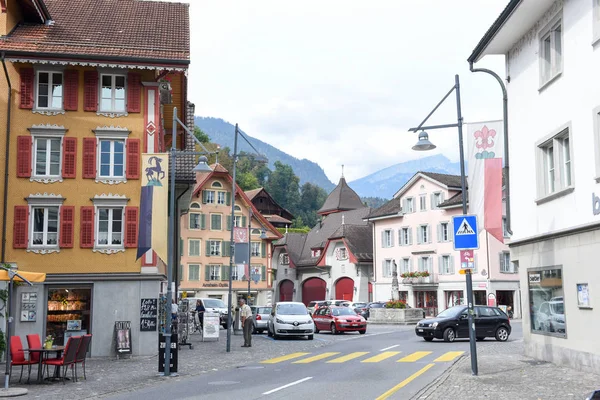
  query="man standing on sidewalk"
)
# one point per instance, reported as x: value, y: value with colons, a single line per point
x: 247, y: 322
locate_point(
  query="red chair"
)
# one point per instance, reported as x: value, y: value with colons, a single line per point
x: 68, y: 358
x: 82, y: 353
x: 34, y: 342
x: 17, y: 357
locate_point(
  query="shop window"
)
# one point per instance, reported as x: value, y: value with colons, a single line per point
x: 546, y: 297
x: 68, y: 314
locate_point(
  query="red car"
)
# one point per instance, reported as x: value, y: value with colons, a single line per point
x: 338, y: 319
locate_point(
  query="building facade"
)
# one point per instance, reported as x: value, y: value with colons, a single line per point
x: 551, y: 50
x: 206, y: 243
x: 414, y: 233
x: 81, y: 108
x: 278, y: 216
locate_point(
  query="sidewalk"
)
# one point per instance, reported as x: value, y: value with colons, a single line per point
x: 504, y: 373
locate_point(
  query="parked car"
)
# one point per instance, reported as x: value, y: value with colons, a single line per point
x: 338, y: 319
x: 357, y: 306
x: 261, y: 316
x: 290, y: 318
x: 365, y: 311
x: 550, y: 317
x: 313, y: 305
x: 212, y: 305
x: 452, y: 323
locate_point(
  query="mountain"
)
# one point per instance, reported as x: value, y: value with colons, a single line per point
x: 384, y: 183
x: 222, y: 132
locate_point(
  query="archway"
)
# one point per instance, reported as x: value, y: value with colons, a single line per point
x: 344, y: 289
x: 313, y: 289
x: 286, y: 290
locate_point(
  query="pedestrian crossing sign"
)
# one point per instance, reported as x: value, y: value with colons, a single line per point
x: 465, y: 232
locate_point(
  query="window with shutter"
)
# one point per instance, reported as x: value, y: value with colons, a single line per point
x: 112, y: 95
x: 207, y: 270
x: 133, y: 159
x: 69, y: 166
x: 131, y: 226
x: 86, y: 234
x: 20, y: 225
x: 24, y: 144
x: 71, y: 90
x: 208, y: 250
x: 89, y: 158
x: 263, y: 273
x: 90, y: 90
x: 67, y: 219
x: 27, y: 77
x: 49, y: 93
x: 202, y: 221
x: 228, y: 198
x: 263, y: 249
x: 134, y: 92
x: 226, y: 248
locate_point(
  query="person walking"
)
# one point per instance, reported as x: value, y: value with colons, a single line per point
x: 247, y: 322
x: 200, y: 313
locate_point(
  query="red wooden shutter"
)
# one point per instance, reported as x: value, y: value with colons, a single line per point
x: 20, y: 227
x: 24, y: 156
x: 131, y: 226
x: 89, y: 158
x: 133, y: 159
x: 26, y: 88
x: 69, y: 157
x: 86, y: 234
x: 71, y: 90
x: 90, y: 90
x: 67, y: 214
x: 134, y: 92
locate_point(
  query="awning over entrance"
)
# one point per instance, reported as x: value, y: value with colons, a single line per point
x: 30, y: 276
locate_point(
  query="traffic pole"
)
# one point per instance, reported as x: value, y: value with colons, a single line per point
x: 471, y: 311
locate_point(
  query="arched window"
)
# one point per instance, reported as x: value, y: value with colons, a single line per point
x: 195, y: 205
x: 217, y: 184
x: 237, y: 208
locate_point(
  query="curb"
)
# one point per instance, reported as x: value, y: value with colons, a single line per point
x: 430, y: 389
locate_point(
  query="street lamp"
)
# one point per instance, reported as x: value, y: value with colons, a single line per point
x: 263, y: 236
x: 201, y: 167
x: 424, y: 144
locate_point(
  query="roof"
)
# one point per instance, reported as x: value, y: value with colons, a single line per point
x: 447, y: 181
x: 185, y: 163
x: 392, y: 207
x: 294, y: 242
x: 453, y: 201
x: 359, y: 239
x: 253, y: 193
x: 277, y: 219
x: 341, y: 198
x: 151, y: 31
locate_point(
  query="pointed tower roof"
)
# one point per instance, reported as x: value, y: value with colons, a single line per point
x: 342, y: 198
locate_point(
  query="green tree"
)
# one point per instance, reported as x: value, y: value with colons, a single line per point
x: 312, y: 198
x: 200, y: 135
x: 247, y: 181
x: 284, y: 186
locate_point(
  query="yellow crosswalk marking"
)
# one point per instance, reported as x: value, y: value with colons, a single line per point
x: 416, y: 356
x: 283, y: 358
x: 349, y: 357
x: 449, y: 356
x: 381, y: 356
x: 317, y: 357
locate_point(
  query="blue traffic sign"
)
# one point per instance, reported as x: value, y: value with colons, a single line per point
x: 465, y: 232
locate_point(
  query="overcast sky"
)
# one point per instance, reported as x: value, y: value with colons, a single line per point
x: 340, y: 82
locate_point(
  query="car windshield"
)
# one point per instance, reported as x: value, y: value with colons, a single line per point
x: 557, y: 308
x: 450, y: 312
x: 264, y: 310
x: 214, y: 303
x: 291, y: 309
x: 342, y: 311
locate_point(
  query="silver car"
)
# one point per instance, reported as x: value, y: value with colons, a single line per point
x: 289, y: 318
x: 261, y: 316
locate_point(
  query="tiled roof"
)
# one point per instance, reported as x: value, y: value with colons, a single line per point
x: 454, y: 200
x: 219, y: 168
x: 276, y: 218
x: 150, y: 31
x: 184, y: 164
x: 360, y: 241
x: 445, y: 179
x: 294, y: 243
x: 341, y: 198
x: 392, y: 207
x: 252, y: 193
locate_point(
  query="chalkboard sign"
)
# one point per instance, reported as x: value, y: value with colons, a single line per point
x: 123, y: 337
x: 148, y: 315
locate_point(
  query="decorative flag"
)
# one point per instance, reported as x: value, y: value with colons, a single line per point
x: 485, y: 149
x: 153, y: 232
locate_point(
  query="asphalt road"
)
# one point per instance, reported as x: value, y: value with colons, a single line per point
x: 389, y: 362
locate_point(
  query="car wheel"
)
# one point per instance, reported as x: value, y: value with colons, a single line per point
x: 310, y: 337
x: 502, y: 334
x: 362, y: 332
x: 428, y: 339
x: 480, y: 338
x: 334, y: 330
x: 316, y: 329
x: 269, y: 334
x: 449, y: 335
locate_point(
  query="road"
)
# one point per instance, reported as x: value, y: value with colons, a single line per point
x: 386, y: 363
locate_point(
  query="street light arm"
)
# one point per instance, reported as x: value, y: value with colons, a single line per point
x: 250, y: 144
x: 434, y: 110
x: 192, y: 135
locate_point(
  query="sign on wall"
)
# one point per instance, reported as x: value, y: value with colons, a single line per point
x: 148, y: 315
x: 28, y: 306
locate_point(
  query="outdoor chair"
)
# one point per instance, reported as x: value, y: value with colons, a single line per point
x: 34, y: 342
x: 82, y: 353
x: 17, y: 357
x: 68, y: 358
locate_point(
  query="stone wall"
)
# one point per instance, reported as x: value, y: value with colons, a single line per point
x: 401, y: 316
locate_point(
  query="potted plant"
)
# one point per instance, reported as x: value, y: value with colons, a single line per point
x: 48, y: 342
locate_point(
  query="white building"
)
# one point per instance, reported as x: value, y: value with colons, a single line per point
x: 552, y: 51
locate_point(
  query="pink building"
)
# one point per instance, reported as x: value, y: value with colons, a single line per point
x: 414, y: 231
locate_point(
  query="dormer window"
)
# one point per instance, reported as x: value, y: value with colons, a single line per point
x: 284, y: 259
x: 316, y: 253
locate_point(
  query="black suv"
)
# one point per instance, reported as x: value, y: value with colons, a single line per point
x: 453, y: 323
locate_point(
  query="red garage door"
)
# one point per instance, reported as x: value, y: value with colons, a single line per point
x: 344, y: 289
x: 313, y: 289
x: 286, y: 290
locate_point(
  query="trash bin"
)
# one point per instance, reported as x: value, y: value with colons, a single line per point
x: 237, y: 322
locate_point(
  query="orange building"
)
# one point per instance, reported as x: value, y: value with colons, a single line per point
x: 84, y: 95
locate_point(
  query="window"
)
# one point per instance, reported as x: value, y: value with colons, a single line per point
x: 387, y: 268
x: 423, y: 202
x: 49, y: 90
x: 408, y: 205
x: 405, y: 265
x: 504, y: 231
x: 216, y: 184
x: 112, y: 158
x: 235, y: 273
x: 209, y: 196
x: 47, y: 156
x: 436, y: 199
x: 425, y: 264
x: 110, y: 227
x: 405, y: 236
x: 44, y: 227
x: 505, y: 265
x: 195, y: 221
x: 112, y: 93
x: 255, y: 249
x: 215, y: 247
x: 443, y: 232
x: 555, y: 164
x: 546, y: 296
x: 237, y: 221
x: 446, y: 264
x: 388, y: 238
x: 424, y: 234
x: 215, y: 222
x: 551, y: 52
x: 194, y: 272
x: 220, y: 197
x: 194, y: 247
x: 315, y: 253
x: 284, y: 259
x: 214, y: 272
x: 255, y: 231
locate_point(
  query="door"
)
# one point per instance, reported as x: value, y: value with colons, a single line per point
x: 313, y: 289
x: 463, y: 324
x: 485, y: 321
x: 286, y: 290
x: 344, y: 289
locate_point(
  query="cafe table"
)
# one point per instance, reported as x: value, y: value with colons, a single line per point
x: 44, y: 356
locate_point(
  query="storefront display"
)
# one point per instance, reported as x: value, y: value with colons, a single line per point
x: 546, y: 296
x: 69, y: 313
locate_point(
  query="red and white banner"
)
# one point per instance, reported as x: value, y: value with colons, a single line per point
x: 485, y: 149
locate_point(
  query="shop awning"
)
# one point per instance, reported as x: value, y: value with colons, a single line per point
x: 30, y: 276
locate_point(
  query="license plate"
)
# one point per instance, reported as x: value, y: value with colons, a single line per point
x: 295, y: 328
x: 354, y: 324
x: 420, y: 330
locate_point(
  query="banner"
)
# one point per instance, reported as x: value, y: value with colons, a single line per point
x: 154, y: 205
x: 485, y: 150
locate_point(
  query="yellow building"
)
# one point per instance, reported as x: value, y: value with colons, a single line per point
x: 84, y: 96
x: 206, y: 243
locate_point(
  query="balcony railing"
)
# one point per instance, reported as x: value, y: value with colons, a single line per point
x: 432, y: 279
